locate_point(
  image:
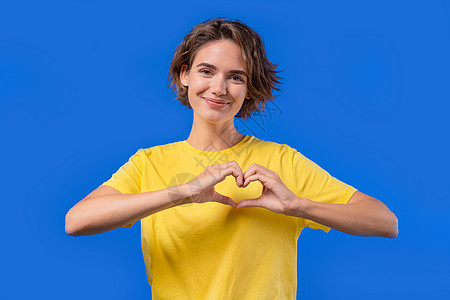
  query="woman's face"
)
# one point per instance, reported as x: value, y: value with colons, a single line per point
x: 217, y: 81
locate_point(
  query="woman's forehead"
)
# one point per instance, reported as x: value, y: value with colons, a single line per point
x: 220, y: 53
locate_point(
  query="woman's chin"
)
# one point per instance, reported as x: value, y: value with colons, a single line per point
x: 214, y: 117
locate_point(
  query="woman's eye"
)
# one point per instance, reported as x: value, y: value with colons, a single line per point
x: 237, y: 78
x: 206, y: 72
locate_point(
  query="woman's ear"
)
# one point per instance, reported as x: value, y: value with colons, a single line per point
x: 184, y: 75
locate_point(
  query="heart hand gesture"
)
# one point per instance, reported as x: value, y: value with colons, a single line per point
x: 201, y: 189
x: 275, y: 195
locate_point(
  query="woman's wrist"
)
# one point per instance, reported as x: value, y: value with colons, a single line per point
x: 180, y: 194
x: 300, y: 207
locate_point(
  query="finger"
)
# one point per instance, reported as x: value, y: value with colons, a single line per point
x: 240, y: 178
x: 256, y: 202
x: 224, y: 199
x: 230, y: 202
x: 236, y: 172
x: 250, y: 170
x: 220, y: 171
x: 255, y: 168
x: 260, y: 177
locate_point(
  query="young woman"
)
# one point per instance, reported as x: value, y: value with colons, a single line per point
x: 206, y: 234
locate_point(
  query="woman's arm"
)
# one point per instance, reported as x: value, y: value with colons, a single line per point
x: 362, y: 215
x: 106, y: 209
x: 98, y: 214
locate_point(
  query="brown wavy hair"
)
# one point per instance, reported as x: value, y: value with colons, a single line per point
x: 262, y: 77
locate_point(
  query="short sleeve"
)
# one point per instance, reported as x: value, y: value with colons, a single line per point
x: 316, y: 184
x: 127, y: 180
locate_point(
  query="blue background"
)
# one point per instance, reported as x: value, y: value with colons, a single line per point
x: 83, y: 85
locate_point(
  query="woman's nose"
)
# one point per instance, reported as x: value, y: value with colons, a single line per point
x: 219, y: 86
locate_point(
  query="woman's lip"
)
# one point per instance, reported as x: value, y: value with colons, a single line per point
x: 214, y: 104
x: 216, y: 101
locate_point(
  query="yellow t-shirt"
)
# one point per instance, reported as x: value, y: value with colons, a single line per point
x: 215, y: 251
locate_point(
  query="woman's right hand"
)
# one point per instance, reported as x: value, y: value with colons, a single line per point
x: 201, y: 189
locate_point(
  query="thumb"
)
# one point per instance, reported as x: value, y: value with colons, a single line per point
x: 255, y: 202
x: 224, y: 199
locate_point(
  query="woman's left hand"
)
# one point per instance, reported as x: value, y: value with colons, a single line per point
x: 275, y: 195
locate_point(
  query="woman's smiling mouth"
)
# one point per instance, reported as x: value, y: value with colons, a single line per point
x: 215, y: 102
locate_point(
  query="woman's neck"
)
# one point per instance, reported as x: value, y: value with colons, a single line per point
x: 214, y: 137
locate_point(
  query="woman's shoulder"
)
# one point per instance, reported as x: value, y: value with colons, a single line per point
x: 275, y: 145
x: 275, y: 149
x: 159, y: 149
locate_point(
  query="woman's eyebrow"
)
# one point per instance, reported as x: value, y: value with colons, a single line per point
x: 213, y: 67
